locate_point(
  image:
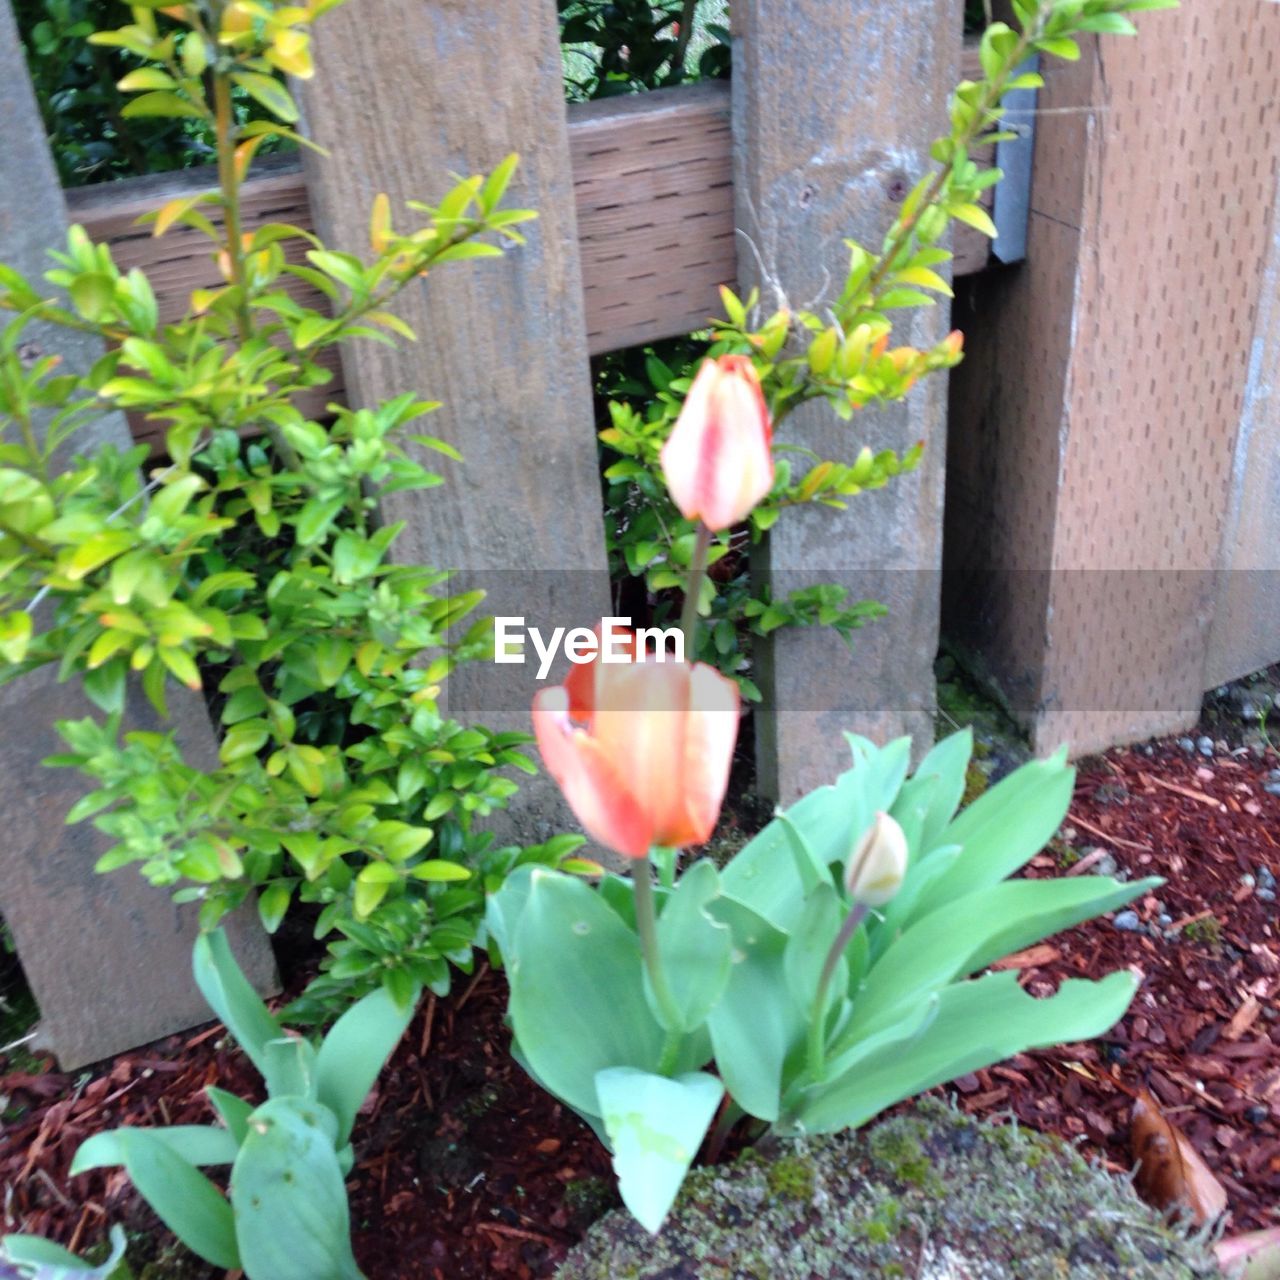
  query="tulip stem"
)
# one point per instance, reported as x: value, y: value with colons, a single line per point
x: 693, y: 589
x: 817, y: 1022
x: 647, y: 927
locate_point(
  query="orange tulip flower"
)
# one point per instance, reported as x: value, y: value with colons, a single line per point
x: 641, y: 749
x: 716, y: 461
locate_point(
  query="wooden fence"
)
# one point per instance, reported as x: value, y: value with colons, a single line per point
x: 653, y: 201
x: 1101, y: 421
x: 640, y: 203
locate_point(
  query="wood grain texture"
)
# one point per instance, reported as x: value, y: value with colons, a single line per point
x: 653, y: 198
x: 408, y: 91
x: 108, y: 957
x: 834, y: 112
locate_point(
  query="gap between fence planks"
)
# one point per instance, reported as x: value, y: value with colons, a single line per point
x: 653, y: 187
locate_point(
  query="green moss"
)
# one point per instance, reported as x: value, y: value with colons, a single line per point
x: 1208, y: 930
x: 898, y: 1153
x: 585, y: 1199
x: 791, y: 1177
x: 885, y: 1224
x: 929, y: 1193
x: 975, y: 782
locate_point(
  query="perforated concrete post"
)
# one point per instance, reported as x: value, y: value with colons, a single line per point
x: 1095, y: 425
x: 408, y: 92
x: 834, y: 110
x: 108, y: 957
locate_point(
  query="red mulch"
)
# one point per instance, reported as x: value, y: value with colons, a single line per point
x: 1202, y: 1033
x: 467, y: 1170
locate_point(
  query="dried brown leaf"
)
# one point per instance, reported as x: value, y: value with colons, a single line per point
x: 1171, y: 1175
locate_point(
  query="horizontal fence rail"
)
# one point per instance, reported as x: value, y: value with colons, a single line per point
x: 653, y: 187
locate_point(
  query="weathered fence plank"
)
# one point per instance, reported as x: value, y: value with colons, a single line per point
x: 834, y: 110
x: 412, y: 91
x: 108, y: 957
x: 1246, y: 616
x: 1098, y: 423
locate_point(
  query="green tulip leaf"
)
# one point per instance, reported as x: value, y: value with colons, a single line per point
x: 1004, y: 828
x: 756, y: 1023
x: 195, y: 1143
x: 977, y: 1023
x: 965, y: 935
x: 291, y: 1216
x: 355, y: 1050
x: 577, y: 999
x: 183, y: 1198
x: 655, y: 1125
x: 694, y: 948
x: 230, y: 996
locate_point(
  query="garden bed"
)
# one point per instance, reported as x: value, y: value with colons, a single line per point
x: 466, y: 1169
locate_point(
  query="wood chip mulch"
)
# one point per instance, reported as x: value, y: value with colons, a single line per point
x: 467, y: 1170
x: 1203, y: 1033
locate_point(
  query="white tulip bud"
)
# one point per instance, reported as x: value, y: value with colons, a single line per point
x: 878, y: 863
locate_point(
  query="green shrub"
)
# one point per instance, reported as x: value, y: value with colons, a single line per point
x: 251, y: 565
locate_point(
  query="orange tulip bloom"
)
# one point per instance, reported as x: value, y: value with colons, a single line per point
x: 716, y: 461
x: 641, y: 750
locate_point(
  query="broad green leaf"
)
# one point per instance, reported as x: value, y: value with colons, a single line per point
x: 195, y: 1143
x: 292, y: 1221
x: 290, y: 1069
x: 978, y: 1023
x: 756, y: 1023
x: 694, y: 948
x: 53, y: 1262
x: 972, y: 931
x: 354, y: 1052
x: 183, y: 1198
x: 235, y: 1112
x: 577, y: 1000
x: 763, y: 876
x: 809, y: 944
x: 1004, y: 828
x: 230, y: 996
x: 655, y: 1126
x: 948, y: 763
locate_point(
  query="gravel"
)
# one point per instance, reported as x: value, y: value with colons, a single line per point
x: 1127, y: 922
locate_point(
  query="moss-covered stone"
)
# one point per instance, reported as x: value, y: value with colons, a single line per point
x: 930, y: 1194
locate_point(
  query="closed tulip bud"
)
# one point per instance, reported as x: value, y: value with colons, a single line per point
x: 878, y: 863
x: 716, y: 462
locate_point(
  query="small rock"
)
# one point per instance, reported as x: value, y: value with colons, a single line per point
x: 1248, y: 711
x: 1265, y: 879
x: 1265, y: 895
x: 1127, y: 922
x: 1204, y: 746
x: 1105, y: 866
x: 1148, y: 750
x: 1256, y: 1114
x: 1274, y: 775
x: 1165, y: 919
x: 1187, y: 745
x: 1248, y: 881
x: 1271, y: 788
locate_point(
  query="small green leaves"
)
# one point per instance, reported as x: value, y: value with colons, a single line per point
x: 270, y: 92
